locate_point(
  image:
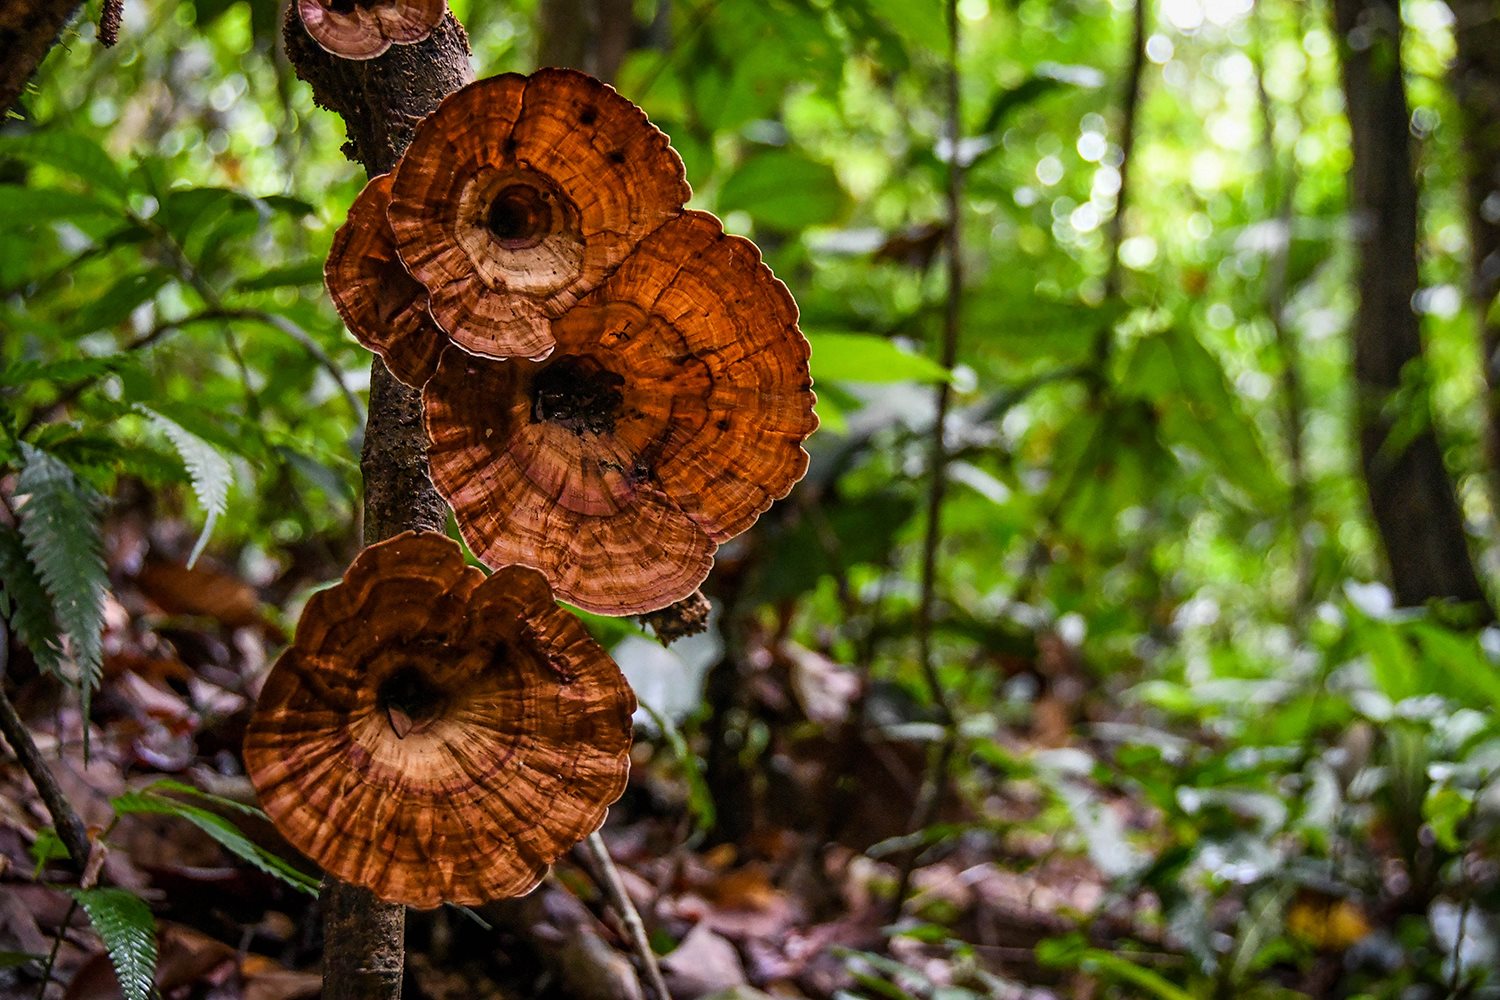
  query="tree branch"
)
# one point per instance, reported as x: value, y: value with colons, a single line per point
x: 70, y: 829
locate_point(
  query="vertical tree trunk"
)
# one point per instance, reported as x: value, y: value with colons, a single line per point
x: 1476, y: 83
x: 589, y: 35
x: 381, y: 102
x: 28, y: 30
x: 1413, y: 501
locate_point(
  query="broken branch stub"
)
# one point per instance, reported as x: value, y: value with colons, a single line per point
x: 436, y: 736
x: 670, y: 415
x: 381, y: 304
x: 520, y: 195
x: 364, y: 29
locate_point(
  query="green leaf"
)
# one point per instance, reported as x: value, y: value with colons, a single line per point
x: 920, y: 23
x: 221, y: 830
x: 690, y: 765
x: 45, y: 849
x: 211, y: 473
x: 64, y: 370
x: 785, y: 190
x: 115, y: 304
x: 27, y: 607
x: 124, y: 922
x: 854, y: 357
x: 308, y: 272
x: 60, y: 528
x: 1199, y: 409
x: 22, y: 207
x: 72, y: 154
x: 16, y: 959
x: 1154, y: 983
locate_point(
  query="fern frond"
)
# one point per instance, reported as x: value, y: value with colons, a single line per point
x: 26, y: 605
x: 220, y: 829
x: 210, y: 472
x: 60, y: 530
x: 124, y: 922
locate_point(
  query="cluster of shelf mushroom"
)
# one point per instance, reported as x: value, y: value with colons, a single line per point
x: 612, y: 386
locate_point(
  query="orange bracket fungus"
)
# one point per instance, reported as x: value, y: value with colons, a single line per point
x: 364, y: 29
x: 670, y: 415
x: 519, y: 195
x: 436, y: 736
x: 383, y: 306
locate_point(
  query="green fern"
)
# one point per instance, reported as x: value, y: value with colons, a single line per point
x: 210, y: 472
x: 60, y: 529
x: 124, y: 922
x: 66, y: 370
x: 26, y: 606
x: 217, y: 827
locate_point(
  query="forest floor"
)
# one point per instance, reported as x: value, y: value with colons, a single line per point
x: 796, y: 902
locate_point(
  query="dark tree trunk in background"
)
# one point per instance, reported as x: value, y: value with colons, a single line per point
x: 381, y: 102
x: 28, y: 30
x: 1476, y: 83
x: 1413, y: 500
x: 589, y: 35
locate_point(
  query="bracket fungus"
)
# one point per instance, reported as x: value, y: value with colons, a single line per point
x: 519, y: 195
x: 670, y: 415
x: 436, y: 736
x: 381, y: 304
x: 364, y: 29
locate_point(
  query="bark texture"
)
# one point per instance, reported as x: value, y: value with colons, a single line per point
x: 381, y: 101
x: 28, y: 30
x: 1476, y: 83
x: 1414, y: 504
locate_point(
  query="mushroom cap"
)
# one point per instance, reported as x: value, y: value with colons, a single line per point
x: 382, y: 305
x: 519, y: 195
x: 671, y: 414
x: 436, y: 736
x: 364, y: 29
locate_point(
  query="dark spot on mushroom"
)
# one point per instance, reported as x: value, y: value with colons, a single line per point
x: 410, y: 700
x: 617, y: 156
x: 588, y: 115
x: 722, y: 423
x: 578, y: 393
x: 520, y: 216
x: 511, y: 145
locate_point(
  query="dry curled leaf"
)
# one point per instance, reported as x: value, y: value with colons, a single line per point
x: 671, y: 414
x: 519, y: 195
x: 436, y: 736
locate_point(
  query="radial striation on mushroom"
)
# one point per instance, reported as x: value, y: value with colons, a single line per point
x: 437, y: 736
x: 520, y: 195
x: 381, y: 304
x: 670, y: 415
x: 364, y: 29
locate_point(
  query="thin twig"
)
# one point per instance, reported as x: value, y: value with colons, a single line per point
x: 614, y: 887
x: 51, y: 963
x: 70, y: 829
x: 936, y: 779
x: 1293, y: 396
x: 1114, y: 231
x: 189, y: 273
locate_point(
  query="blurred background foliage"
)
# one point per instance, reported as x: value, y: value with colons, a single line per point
x: 1161, y: 623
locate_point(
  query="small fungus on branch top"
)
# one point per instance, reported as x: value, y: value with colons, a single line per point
x: 364, y: 29
x: 671, y: 414
x: 436, y: 736
x: 382, y: 305
x: 519, y: 195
